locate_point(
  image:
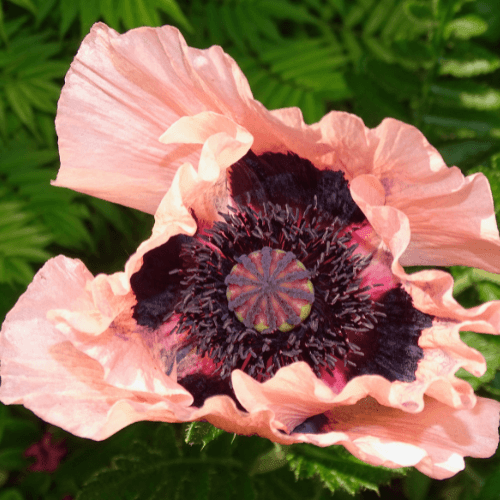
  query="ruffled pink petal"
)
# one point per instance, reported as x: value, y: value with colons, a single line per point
x: 413, y: 177
x: 434, y: 440
x: 60, y: 382
x: 433, y: 437
x: 123, y: 91
x: 431, y: 291
x: 349, y: 146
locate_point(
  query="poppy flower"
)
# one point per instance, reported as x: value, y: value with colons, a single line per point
x: 271, y: 297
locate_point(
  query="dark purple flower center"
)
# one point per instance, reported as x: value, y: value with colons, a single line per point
x: 277, y: 280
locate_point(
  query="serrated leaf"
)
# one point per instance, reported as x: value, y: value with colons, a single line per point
x: 336, y: 468
x: 489, y: 347
x: 201, y: 433
x: 151, y: 474
x: 465, y: 27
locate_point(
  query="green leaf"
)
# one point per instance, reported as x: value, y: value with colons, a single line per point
x: 89, y: 13
x: 281, y: 9
x: 491, y: 488
x: 3, y: 416
x: 481, y: 122
x: 357, y: 12
x: 378, y: 16
x: 419, y: 11
x: 397, y: 18
x: 417, y: 485
x: 352, y: 45
x: 269, y: 461
x: 11, y: 494
x: 372, y: 101
x: 466, y: 154
x: 171, y: 8
x: 312, y: 108
x: 201, y: 433
x: 337, y: 469
x: 26, y: 4
x: 379, y: 49
x: 159, y: 472
x: 489, y: 347
x: 468, y: 59
x: 69, y: 11
x: 44, y: 10
x: 465, y: 27
x: 16, y: 158
x: 488, y: 292
x: 110, y: 13
x: 265, y: 25
x: 18, y: 103
x: 146, y: 15
x: 468, y: 94
x: 394, y: 78
x: 12, y: 459
x: 231, y: 26
x: 413, y: 52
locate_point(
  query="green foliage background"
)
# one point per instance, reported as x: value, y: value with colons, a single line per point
x: 431, y: 63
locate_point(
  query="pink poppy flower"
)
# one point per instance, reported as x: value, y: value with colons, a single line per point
x: 270, y: 298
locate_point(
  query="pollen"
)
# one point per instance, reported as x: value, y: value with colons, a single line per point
x: 270, y: 290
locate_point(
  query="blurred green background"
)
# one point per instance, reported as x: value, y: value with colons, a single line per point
x: 432, y: 63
